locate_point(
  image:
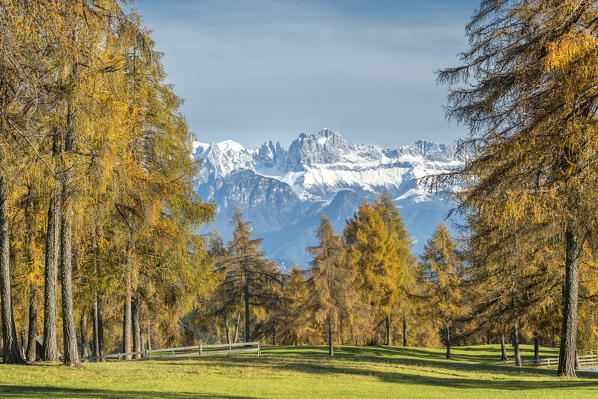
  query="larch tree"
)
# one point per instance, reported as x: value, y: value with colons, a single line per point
x: 444, y: 272
x: 248, y: 275
x: 375, y: 254
x: 330, y: 283
x: 530, y: 102
x: 405, y: 267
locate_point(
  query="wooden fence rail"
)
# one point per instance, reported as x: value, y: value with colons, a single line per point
x: 185, y: 351
x: 586, y: 360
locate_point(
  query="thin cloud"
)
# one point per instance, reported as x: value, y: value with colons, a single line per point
x: 267, y: 69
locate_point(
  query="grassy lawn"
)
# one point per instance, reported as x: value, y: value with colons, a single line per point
x: 304, y: 372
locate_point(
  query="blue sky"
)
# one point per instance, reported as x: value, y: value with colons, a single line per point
x: 254, y: 70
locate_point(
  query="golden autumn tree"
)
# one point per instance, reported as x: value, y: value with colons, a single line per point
x: 529, y: 101
x: 514, y: 276
x: 375, y: 255
x: 405, y: 267
x: 95, y: 136
x: 443, y: 271
x: 330, y: 283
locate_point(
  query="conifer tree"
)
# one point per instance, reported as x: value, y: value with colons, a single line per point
x: 444, y: 272
x: 529, y: 101
x: 405, y: 268
x: 375, y: 254
x: 330, y: 283
x: 295, y: 325
x: 248, y: 275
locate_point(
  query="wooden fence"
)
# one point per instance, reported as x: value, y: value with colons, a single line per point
x: 587, y: 360
x: 181, y: 352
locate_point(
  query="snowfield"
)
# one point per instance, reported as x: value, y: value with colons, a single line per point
x: 282, y: 190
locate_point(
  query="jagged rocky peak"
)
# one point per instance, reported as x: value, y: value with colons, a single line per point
x: 269, y: 154
x: 326, y: 146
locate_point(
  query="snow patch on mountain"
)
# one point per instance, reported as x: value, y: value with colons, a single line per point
x: 283, y: 191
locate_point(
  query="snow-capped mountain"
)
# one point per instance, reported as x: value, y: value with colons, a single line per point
x: 283, y: 192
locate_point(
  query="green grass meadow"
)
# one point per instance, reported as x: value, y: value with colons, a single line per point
x: 303, y: 372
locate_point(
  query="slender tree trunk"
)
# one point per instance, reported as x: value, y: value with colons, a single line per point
x: 274, y: 334
x: 536, y: 350
x: 136, y: 329
x: 31, y: 341
x: 247, y: 315
x: 488, y: 337
x: 388, y: 332
x: 448, y: 342
x: 50, y: 344
x: 330, y: 343
x: 94, y: 323
x: 516, y: 352
x: 71, y: 354
x: 100, y: 329
x: 237, y: 321
x: 96, y: 312
x: 570, y: 298
x: 12, y: 354
x: 31, y: 349
x: 83, y: 332
x: 127, y: 331
x: 503, y: 348
x: 149, y: 336
x: 405, y: 332
x: 227, y: 330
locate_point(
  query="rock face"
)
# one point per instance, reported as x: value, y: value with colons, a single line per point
x: 283, y: 192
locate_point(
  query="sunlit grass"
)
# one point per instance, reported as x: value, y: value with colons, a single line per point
x: 303, y: 372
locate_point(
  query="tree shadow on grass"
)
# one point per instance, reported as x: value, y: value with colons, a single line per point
x: 443, y: 375
x: 20, y: 391
x: 422, y: 358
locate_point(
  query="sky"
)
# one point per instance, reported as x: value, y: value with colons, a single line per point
x: 258, y: 70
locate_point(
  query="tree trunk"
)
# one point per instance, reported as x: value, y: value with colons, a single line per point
x: 503, y: 348
x: 71, y: 354
x: 50, y: 344
x: 149, y: 336
x: 83, y: 333
x: 236, y: 335
x: 247, y: 315
x: 98, y: 329
x: 127, y: 331
x: 274, y: 334
x: 94, y: 322
x: 515, y: 337
x: 330, y: 344
x: 31, y: 350
x: 404, y: 332
x: 227, y: 330
x: 536, y: 350
x: 570, y: 298
x: 488, y: 337
x: 31, y: 342
x: 12, y: 354
x: 136, y: 329
x: 448, y: 342
x: 388, y: 332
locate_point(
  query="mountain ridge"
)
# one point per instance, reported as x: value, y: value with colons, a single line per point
x: 283, y: 191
